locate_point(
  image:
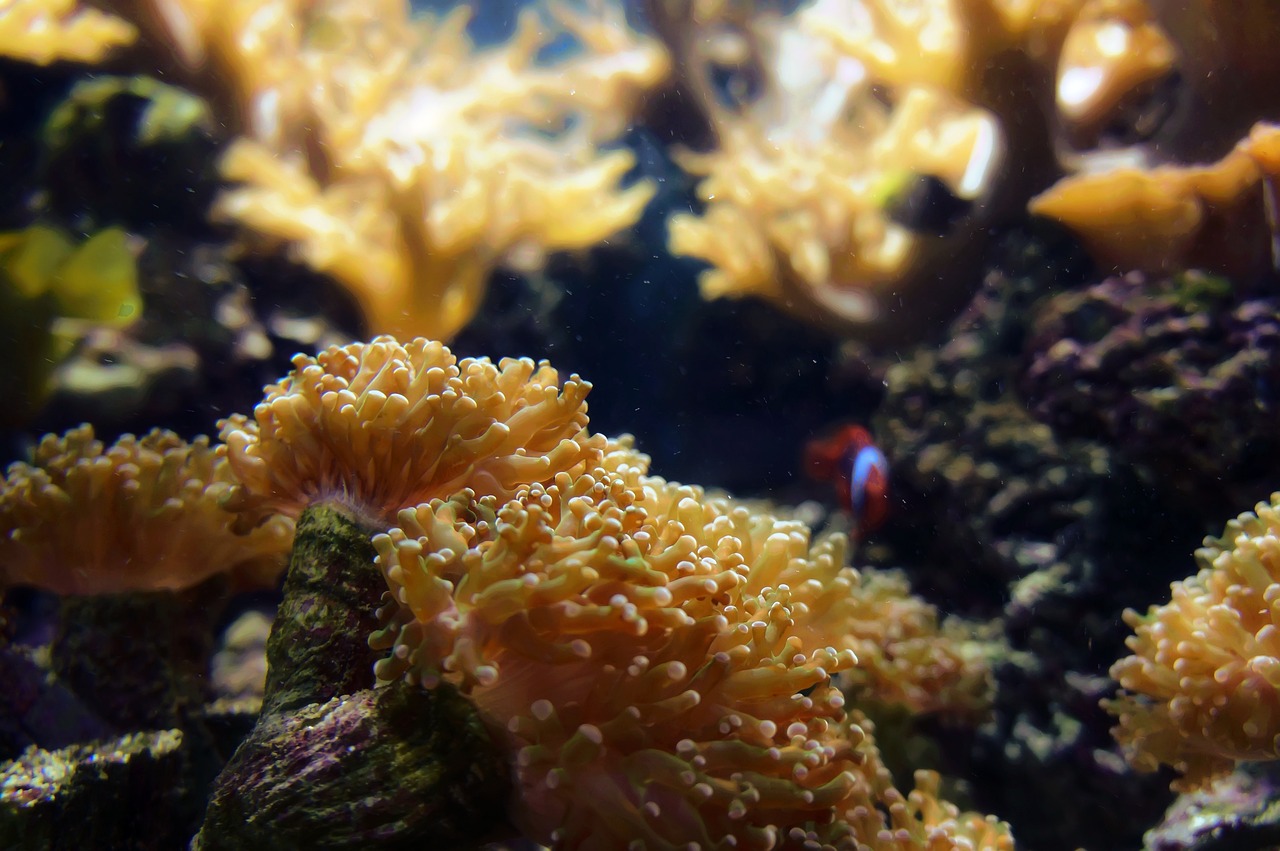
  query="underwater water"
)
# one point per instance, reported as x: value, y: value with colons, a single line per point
x: 670, y: 424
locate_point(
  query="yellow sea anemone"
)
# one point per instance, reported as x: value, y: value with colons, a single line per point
x: 659, y: 664
x: 141, y: 514
x: 1202, y: 688
x: 382, y: 426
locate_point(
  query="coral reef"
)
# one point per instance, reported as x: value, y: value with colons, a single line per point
x: 1202, y: 688
x: 998, y: 515
x: 392, y: 154
x: 496, y: 626
x: 638, y: 576
x: 1176, y: 374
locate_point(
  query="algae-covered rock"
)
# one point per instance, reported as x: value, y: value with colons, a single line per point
x: 393, y: 767
x: 131, y: 150
x: 334, y: 763
x: 1240, y: 812
x: 121, y: 794
x: 141, y: 660
x: 319, y: 648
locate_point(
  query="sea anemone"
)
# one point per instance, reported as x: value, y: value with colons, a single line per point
x: 382, y: 426
x: 658, y: 662
x: 1202, y: 688
x: 141, y: 514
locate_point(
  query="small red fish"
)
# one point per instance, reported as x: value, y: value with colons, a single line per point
x: 850, y: 459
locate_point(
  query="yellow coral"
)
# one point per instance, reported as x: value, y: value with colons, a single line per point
x: 394, y: 155
x: 905, y: 656
x: 1101, y: 53
x: 380, y: 426
x: 799, y: 211
x: 659, y: 663
x: 1114, y: 54
x: 1203, y: 683
x: 860, y: 99
x: 48, y: 31
x: 1173, y: 218
x: 141, y: 514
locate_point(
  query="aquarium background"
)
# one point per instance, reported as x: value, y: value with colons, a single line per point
x: 945, y: 335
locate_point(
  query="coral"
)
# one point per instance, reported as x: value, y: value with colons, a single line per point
x: 790, y: 208
x: 394, y: 155
x: 1202, y: 688
x: 1083, y: 61
x: 52, y: 291
x: 660, y: 663
x: 1179, y: 375
x: 906, y: 657
x: 48, y: 31
x: 142, y: 514
x: 845, y: 190
x: 1173, y: 217
x: 1114, y: 57
x: 997, y: 514
x: 383, y: 426
x: 798, y: 190
x: 95, y: 281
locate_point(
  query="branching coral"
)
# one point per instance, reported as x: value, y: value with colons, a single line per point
x: 1202, y: 689
x: 1095, y: 55
x: 660, y: 663
x: 798, y: 189
x: 383, y: 426
x: 394, y: 155
x: 797, y: 210
x: 141, y: 514
x: 47, y: 31
x: 830, y: 188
